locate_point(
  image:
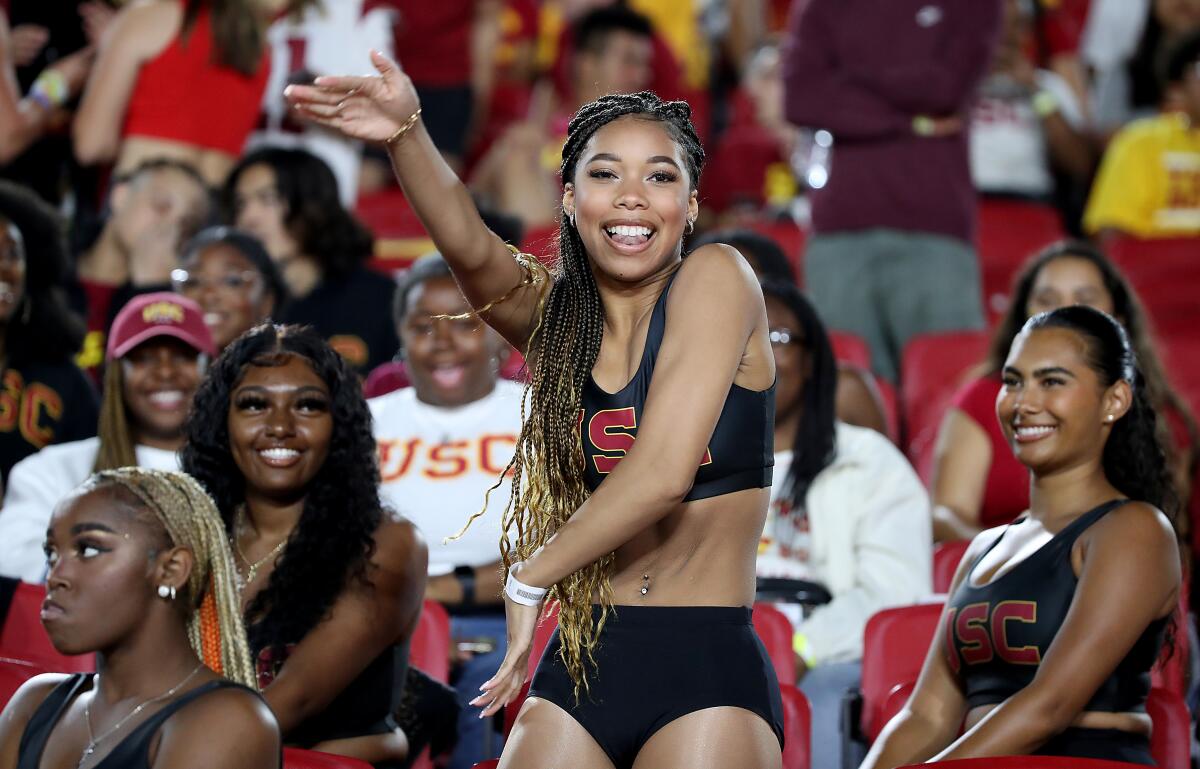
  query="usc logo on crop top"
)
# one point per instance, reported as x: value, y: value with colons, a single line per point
x: 610, y: 436
x: 978, y: 632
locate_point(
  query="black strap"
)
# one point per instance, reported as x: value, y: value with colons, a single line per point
x: 8, y: 588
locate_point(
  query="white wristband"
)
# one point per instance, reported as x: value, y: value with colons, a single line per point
x: 521, y: 593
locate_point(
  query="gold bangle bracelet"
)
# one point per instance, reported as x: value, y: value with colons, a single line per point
x: 404, y: 129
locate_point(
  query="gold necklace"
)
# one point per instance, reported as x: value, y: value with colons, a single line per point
x: 87, y: 715
x: 244, y: 581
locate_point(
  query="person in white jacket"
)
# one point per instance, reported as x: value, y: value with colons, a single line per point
x: 155, y: 358
x: 847, y: 511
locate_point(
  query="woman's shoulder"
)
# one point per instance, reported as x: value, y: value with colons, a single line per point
x: 238, y: 714
x: 717, y: 260
x: 30, y: 696
x: 146, y: 26
x: 1139, y: 525
x: 398, y: 542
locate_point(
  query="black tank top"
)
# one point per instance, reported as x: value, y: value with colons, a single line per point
x: 740, y: 453
x: 133, y: 752
x: 998, y: 633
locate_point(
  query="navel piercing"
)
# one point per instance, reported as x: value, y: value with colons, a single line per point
x: 645, y: 584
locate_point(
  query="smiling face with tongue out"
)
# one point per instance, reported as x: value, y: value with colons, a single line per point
x: 450, y: 362
x: 631, y: 198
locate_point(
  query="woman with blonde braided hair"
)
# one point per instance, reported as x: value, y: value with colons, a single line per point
x: 141, y: 574
x: 661, y: 367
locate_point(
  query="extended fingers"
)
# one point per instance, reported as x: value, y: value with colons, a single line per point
x: 308, y: 94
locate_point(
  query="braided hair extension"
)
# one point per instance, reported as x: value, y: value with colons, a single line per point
x: 116, y: 438
x: 190, y: 519
x: 547, y: 466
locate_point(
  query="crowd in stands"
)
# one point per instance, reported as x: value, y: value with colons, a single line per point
x: 195, y: 279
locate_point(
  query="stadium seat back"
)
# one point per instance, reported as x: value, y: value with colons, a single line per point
x: 895, y: 643
x: 296, y: 758
x: 23, y: 636
x: 1164, y: 273
x: 850, y: 348
x: 932, y: 368
x: 1009, y: 232
x: 775, y: 631
x: 946, y: 558
x: 13, y: 673
x: 1170, y: 743
x: 797, y: 728
x: 430, y: 647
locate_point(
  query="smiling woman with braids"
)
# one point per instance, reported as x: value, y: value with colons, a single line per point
x: 141, y: 574
x: 331, y: 584
x: 654, y: 567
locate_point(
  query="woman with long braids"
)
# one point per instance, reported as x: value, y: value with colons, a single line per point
x: 331, y: 583
x: 1054, y: 621
x: 141, y: 574
x: 662, y: 368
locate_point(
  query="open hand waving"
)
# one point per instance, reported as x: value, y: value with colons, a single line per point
x: 370, y: 108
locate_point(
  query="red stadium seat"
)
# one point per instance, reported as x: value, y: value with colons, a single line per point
x: 1170, y: 742
x: 1165, y: 274
x: 790, y: 236
x: 775, y: 631
x: 430, y: 648
x: 896, y: 700
x: 491, y: 763
x: 895, y: 643
x: 13, y: 673
x: 850, y: 348
x: 540, y: 241
x: 945, y: 562
x: 386, y: 378
x: 296, y: 758
x: 1010, y: 231
x: 932, y: 368
x: 1024, y: 762
x: 399, y: 235
x: 24, y: 637
x: 797, y: 728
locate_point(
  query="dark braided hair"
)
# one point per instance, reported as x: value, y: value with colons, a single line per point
x: 547, y: 468
x: 333, y: 541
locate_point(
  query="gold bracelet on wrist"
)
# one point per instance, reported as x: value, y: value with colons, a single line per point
x: 404, y: 129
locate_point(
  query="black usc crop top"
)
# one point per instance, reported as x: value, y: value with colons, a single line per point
x: 740, y: 453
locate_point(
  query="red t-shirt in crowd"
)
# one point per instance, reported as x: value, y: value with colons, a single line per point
x: 1061, y: 24
x: 1006, y: 494
x: 433, y: 39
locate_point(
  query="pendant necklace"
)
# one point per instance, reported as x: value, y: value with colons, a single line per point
x: 87, y: 715
x: 244, y: 581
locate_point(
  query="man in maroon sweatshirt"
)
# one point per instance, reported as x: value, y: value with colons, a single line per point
x: 892, y: 81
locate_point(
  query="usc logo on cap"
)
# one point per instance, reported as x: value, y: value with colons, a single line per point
x: 162, y: 312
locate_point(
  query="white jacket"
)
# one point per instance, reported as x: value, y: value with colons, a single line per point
x: 870, y: 539
x: 35, y: 486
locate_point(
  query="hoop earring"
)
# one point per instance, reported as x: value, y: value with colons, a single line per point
x: 571, y: 218
x: 167, y: 592
x: 691, y: 226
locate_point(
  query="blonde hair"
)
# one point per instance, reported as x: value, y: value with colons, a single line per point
x: 191, y: 520
x: 116, y: 438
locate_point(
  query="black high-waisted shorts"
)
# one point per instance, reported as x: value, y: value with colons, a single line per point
x: 655, y: 664
x: 1111, y: 744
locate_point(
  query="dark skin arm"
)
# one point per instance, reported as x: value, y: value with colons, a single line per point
x: 17, y: 712
x: 249, y: 734
x: 373, y: 109
x: 858, y: 401
x: 363, y: 623
x: 446, y: 589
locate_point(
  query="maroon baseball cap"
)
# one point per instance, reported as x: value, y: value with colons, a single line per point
x: 159, y: 314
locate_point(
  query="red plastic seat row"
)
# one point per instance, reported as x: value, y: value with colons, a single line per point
x: 23, y: 637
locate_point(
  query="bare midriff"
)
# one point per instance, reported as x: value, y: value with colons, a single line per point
x: 213, y: 165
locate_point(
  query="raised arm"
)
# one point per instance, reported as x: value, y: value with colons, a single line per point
x: 137, y: 33
x: 961, y: 462
x: 376, y: 109
x: 1130, y: 577
x: 363, y: 623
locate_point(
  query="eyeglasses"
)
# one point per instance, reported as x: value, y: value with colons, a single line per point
x: 427, y: 325
x: 783, y: 337
x: 230, y: 283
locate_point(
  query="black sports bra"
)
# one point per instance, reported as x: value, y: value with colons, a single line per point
x: 740, y: 453
x: 998, y: 633
x: 133, y: 752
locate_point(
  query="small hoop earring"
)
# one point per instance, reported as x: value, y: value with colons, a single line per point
x: 691, y: 226
x: 571, y: 218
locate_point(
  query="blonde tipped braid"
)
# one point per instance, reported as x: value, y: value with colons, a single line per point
x: 116, y: 439
x: 192, y: 520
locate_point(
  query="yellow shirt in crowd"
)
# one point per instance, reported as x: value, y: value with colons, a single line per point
x: 1149, y: 183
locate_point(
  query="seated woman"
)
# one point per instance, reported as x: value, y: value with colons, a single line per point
x: 231, y: 276
x: 847, y: 512
x: 53, y: 400
x: 977, y: 483
x: 1054, y: 621
x: 331, y: 583
x: 157, y: 351
x: 141, y: 574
